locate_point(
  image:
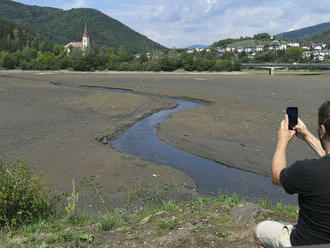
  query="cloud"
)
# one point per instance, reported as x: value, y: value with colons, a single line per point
x: 75, y: 4
x: 180, y: 23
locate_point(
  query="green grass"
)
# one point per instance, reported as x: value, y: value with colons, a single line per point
x: 82, y: 230
x: 288, y: 71
x: 244, y: 43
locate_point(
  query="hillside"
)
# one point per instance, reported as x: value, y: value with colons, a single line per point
x: 306, y: 33
x: 321, y: 37
x: 196, y: 46
x: 65, y: 26
x: 14, y: 37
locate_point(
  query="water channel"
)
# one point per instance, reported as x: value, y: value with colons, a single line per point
x: 211, y: 178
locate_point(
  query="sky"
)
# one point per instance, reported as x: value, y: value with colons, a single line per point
x: 181, y: 23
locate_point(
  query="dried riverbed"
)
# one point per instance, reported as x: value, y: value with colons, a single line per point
x: 46, y: 124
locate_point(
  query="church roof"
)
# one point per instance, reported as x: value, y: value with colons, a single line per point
x: 86, y: 35
x: 74, y: 44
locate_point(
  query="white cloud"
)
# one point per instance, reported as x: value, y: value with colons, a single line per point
x: 75, y: 4
x: 205, y: 21
x: 181, y: 23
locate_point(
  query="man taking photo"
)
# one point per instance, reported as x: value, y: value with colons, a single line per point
x: 310, y: 179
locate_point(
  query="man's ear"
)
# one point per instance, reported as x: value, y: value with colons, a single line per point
x: 323, y: 131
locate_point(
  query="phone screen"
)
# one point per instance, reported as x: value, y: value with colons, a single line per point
x: 293, y: 116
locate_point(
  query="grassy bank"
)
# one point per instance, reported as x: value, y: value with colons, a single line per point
x: 288, y: 71
x: 31, y: 217
x: 204, y: 222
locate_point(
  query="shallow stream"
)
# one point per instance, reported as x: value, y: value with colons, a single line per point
x: 211, y: 178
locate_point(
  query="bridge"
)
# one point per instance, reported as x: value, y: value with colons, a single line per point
x: 295, y: 66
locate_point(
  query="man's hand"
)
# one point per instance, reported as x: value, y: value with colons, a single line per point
x: 301, y: 130
x: 284, y: 134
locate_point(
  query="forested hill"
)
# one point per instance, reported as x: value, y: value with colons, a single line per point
x: 65, y: 26
x: 307, y: 33
x: 14, y: 37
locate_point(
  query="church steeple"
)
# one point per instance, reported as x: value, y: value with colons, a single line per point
x: 85, y: 39
x: 86, y: 35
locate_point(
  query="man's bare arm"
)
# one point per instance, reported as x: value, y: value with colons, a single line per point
x: 315, y: 144
x: 304, y: 134
x: 279, y: 161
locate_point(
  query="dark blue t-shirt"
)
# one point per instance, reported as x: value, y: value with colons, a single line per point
x: 311, y: 180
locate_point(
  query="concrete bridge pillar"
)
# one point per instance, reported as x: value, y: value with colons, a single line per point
x: 272, y: 71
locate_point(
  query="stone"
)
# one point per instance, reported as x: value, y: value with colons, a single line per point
x: 246, y: 214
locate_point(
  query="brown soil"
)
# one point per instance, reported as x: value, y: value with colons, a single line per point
x: 56, y: 127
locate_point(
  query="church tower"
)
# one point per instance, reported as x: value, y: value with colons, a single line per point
x: 85, y: 39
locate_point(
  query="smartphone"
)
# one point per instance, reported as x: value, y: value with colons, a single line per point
x: 293, y: 116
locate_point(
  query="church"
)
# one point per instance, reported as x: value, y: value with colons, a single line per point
x: 82, y: 45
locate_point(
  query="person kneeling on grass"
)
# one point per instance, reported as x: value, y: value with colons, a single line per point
x: 310, y: 179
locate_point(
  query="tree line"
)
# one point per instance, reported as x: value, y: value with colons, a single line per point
x: 103, y: 58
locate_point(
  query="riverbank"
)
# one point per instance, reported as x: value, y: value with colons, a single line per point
x: 204, y: 222
x: 57, y: 129
x: 237, y: 129
x: 240, y: 125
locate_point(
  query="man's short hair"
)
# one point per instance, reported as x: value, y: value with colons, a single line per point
x: 324, y: 116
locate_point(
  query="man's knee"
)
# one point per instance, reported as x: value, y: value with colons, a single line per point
x: 255, y: 235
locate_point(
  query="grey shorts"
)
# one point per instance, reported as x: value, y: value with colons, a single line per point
x: 273, y: 234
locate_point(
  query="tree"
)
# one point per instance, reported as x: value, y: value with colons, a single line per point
x: 8, y: 62
x: 188, y: 63
x: 262, y: 36
x: 223, y: 65
x: 143, y: 58
x: 113, y: 61
x: 227, y: 55
x: 123, y: 55
x: 293, y: 54
x: 243, y: 57
x: 203, y: 64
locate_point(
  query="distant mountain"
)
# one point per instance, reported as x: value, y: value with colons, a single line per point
x: 306, y: 33
x: 320, y: 37
x: 196, y: 46
x: 65, y: 26
x: 14, y: 37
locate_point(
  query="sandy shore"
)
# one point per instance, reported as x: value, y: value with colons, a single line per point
x: 56, y: 127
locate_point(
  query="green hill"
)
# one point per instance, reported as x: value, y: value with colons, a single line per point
x: 321, y: 37
x: 306, y: 33
x: 65, y: 26
x: 14, y: 37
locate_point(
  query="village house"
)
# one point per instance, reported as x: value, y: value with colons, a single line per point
x: 293, y: 44
x: 252, y: 55
x: 306, y: 46
x: 275, y: 43
x: 271, y: 48
x: 249, y: 49
x: 83, y: 45
x: 282, y: 47
x: 239, y: 49
x: 308, y: 54
x: 317, y: 55
x: 260, y: 48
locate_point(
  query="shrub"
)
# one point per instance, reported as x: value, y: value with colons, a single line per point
x: 237, y: 66
x: 223, y: 65
x: 24, y: 197
x: 108, y: 222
